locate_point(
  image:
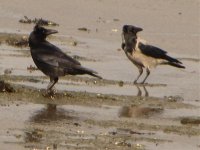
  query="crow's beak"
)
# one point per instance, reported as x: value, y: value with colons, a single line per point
x: 138, y: 29
x: 51, y: 31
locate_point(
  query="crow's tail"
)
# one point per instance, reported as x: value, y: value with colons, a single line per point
x: 82, y: 70
x: 95, y: 75
x: 176, y: 65
x: 172, y: 60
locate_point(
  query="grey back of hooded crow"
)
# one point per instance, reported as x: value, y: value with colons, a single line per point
x: 144, y: 55
x: 51, y: 60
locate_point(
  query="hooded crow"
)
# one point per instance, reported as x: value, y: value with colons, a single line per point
x: 51, y: 60
x: 142, y: 54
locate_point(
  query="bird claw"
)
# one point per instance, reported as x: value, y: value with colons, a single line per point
x: 50, y: 93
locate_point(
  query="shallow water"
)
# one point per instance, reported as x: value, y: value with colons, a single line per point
x: 28, y: 124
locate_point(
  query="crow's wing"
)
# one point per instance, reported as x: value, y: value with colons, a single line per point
x: 152, y: 51
x: 52, y: 55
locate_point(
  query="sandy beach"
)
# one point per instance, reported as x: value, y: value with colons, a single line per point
x: 113, y: 113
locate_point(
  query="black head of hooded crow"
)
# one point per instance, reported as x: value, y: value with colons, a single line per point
x: 51, y: 60
x: 129, y: 37
x: 131, y: 29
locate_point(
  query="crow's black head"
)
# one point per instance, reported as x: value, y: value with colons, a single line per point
x: 131, y: 29
x: 39, y: 35
x: 42, y: 32
x: 129, y: 37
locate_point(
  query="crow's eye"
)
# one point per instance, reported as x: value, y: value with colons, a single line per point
x: 41, y: 30
x: 132, y: 30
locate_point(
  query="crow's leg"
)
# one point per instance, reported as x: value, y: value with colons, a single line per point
x: 146, y: 92
x: 53, y: 81
x: 139, y: 91
x: 148, y: 73
x: 140, y: 73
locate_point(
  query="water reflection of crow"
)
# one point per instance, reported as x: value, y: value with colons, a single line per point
x: 138, y: 111
x: 146, y: 93
x: 49, y: 114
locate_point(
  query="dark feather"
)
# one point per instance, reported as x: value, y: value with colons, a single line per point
x: 152, y: 51
x: 81, y: 70
x: 176, y: 65
x: 52, y: 54
x: 156, y: 52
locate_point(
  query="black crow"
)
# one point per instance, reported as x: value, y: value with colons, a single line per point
x: 144, y: 55
x: 51, y: 60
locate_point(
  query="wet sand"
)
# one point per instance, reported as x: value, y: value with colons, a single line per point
x: 112, y: 113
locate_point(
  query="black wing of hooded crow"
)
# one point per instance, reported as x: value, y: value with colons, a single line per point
x: 156, y: 52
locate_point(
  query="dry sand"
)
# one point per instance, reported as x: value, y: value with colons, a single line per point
x: 92, y: 114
